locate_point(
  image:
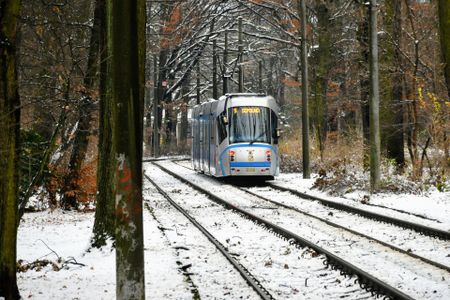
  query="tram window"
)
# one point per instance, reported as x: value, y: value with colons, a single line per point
x: 222, y: 127
x: 274, y: 125
x: 250, y: 124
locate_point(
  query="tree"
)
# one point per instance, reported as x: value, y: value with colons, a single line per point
x: 374, y: 100
x: 125, y: 72
x: 321, y: 72
x: 104, y: 208
x: 85, y: 116
x: 444, y: 26
x: 9, y: 147
x: 394, y: 136
x: 363, y: 39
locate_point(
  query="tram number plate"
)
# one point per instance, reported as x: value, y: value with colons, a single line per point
x: 251, y: 169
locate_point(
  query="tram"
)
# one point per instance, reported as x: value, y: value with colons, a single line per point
x: 236, y: 135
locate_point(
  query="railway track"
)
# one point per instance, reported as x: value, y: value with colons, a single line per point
x: 175, y: 192
x: 426, y: 230
x: 408, y: 251
x: 246, y: 275
x: 365, y: 278
x: 404, y: 242
x: 420, y: 228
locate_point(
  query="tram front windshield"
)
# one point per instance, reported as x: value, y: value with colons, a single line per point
x: 250, y: 124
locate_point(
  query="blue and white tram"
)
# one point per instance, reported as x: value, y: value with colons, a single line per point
x: 236, y: 135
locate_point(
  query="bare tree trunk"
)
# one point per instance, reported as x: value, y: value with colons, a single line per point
x: 394, y: 136
x: 72, y: 186
x: 104, y: 210
x: 240, y: 58
x: 126, y: 49
x: 305, y: 113
x: 9, y: 148
x: 225, y: 66
x: 413, y: 108
x: 322, y: 68
x: 184, y: 112
x: 215, y: 93
x: 444, y: 26
x: 363, y: 37
x: 374, y: 101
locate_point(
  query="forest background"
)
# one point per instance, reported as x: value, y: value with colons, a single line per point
x: 192, y: 49
x: 197, y: 50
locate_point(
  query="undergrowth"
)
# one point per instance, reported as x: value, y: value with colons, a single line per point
x: 341, y: 169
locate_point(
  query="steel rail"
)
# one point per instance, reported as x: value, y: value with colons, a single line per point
x: 416, y: 256
x: 366, y: 281
x: 425, y: 230
x: 393, y: 247
x: 422, y: 229
x: 248, y: 277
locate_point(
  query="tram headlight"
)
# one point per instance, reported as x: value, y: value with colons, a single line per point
x: 232, y: 154
x: 269, y: 155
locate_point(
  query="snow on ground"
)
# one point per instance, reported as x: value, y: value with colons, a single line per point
x: 63, y: 239
x: 371, y: 257
x: 68, y: 235
x: 433, y: 205
x: 47, y: 235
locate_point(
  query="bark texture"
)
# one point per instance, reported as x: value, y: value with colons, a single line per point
x: 126, y: 51
x: 104, y: 212
x: 363, y: 39
x: 9, y: 148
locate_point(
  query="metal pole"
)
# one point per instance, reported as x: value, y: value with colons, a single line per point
x: 374, y: 105
x: 305, y: 112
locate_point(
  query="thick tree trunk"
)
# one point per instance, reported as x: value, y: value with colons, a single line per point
x: 126, y: 50
x: 9, y: 148
x: 104, y: 210
x: 72, y: 186
x: 394, y: 136
x: 444, y: 26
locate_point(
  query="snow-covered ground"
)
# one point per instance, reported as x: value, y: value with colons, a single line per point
x: 432, y: 205
x: 180, y: 263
